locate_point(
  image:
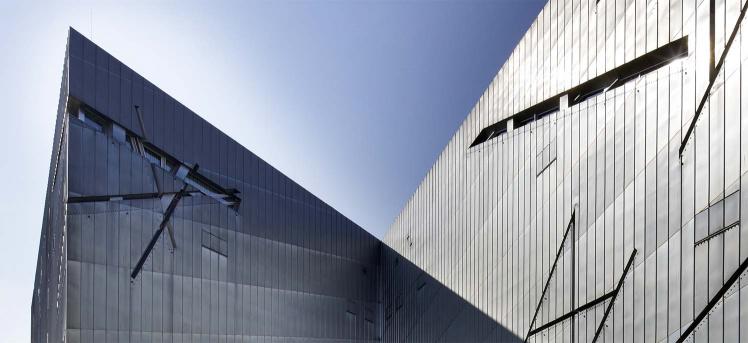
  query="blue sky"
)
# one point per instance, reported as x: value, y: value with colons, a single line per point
x: 354, y: 100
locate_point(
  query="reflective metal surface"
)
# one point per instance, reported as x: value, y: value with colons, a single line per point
x: 273, y: 264
x: 488, y: 219
x: 470, y: 253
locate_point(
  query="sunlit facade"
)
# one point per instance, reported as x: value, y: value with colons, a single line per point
x: 594, y: 192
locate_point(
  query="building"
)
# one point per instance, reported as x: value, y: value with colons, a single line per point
x: 160, y: 228
x: 595, y: 190
x: 593, y: 193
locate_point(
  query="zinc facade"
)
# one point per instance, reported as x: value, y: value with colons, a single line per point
x: 254, y: 256
x: 280, y: 266
x: 618, y: 165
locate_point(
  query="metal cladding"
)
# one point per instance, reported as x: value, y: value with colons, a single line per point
x: 626, y: 121
x: 139, y: 244
x: 594, y: 193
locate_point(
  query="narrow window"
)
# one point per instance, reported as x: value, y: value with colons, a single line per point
x: 119, y: 134
x: 602, y: 83
x: 89, y: 121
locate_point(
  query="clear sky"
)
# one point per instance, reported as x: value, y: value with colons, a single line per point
x: 354, y: 100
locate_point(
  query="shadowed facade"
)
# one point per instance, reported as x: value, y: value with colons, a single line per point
x: 160, y: 228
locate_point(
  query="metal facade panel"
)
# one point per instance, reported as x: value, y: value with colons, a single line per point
x: 283, y: 265
x: 617, y: 165
x: 482, y: 228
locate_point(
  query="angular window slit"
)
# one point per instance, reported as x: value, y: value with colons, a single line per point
x: 607, y: 81
x: 90, y: 120
x: 164, y: 223
x: 490, y: 132
x: 179, y: 170
x: 610, y: 297
x: 119, y: 134
x: 420, y: 287
x: 569, y: 229
x: 163, y: 160
x: 714, y: 69
x: 714, y: 301
x: 123, y: 197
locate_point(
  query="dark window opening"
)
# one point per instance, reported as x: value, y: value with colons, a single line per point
x: 607, y: 81
x: 152, y: 158
x: 158, y: 157
x: 123, y: 197
x: 490, y: 132
x: 90, y: 120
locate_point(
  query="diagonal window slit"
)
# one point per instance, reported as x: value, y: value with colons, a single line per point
x: 569, y: 229
x: 610, y: 297
x: 164, y: 222
x: 123, y: 197
x: 714, y: 301
x: 714, y: 73
x: 156, y: 158
x: 602, y: 83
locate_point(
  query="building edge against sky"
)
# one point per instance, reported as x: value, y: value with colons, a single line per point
x: 158, y: 227
x: 595, y: 189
